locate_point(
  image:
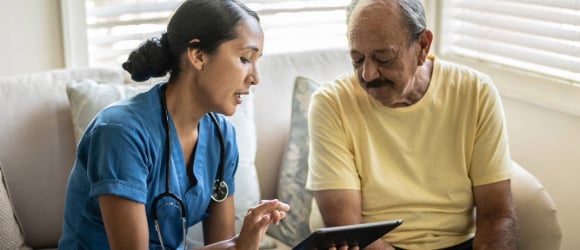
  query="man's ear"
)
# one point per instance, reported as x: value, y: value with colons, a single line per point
x: 424, y: 42
x: 195, y: 56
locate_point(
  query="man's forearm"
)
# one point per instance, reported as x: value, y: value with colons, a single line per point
x: 496, y: 232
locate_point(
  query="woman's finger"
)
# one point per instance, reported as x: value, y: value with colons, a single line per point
x: 268, y: 206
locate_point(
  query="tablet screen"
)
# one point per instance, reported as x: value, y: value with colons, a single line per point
x: 360, y: 235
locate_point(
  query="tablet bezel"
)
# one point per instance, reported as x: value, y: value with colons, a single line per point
x: 359, y: 234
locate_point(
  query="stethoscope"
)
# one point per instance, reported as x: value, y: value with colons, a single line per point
x: 220, y: 187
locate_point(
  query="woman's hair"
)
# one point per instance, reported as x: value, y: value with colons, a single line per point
x: 212, y: 22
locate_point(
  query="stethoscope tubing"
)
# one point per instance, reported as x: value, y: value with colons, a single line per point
x: 219, y: 189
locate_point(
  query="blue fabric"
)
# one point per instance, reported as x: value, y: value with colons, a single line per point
x: 124, y: 153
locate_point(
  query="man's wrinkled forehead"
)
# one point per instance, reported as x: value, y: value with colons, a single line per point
x: 375, y: 9
x: 362, y: 5
x: 373, y: 13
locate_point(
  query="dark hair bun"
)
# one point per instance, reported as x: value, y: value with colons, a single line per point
x: 151, y: 59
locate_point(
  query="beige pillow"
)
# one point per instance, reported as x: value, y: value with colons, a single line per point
x: 88, y: 97
x: 11, y: 233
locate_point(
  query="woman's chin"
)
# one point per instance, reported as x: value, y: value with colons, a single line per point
x: 229, y: 111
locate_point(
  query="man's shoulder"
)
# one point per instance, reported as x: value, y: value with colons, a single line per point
x: 455, y: 68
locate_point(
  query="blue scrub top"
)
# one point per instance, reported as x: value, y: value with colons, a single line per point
x: 123, y: 152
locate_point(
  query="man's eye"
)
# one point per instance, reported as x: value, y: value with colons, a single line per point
x: 357, y: 61
x: 244, y: 60
x: 383, y: 61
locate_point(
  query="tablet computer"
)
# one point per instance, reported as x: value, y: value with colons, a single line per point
x: 360, y: 235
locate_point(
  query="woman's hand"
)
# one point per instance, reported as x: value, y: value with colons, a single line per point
x: 257, y: 221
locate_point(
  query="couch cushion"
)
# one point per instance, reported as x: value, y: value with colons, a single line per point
x: 88, y: 97
x: 273, y: 98
x: 37, y: 147
x: 294, y: 168
x: 11, y: 233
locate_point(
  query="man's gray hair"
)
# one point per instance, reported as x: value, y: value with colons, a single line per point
x: 412, y: 12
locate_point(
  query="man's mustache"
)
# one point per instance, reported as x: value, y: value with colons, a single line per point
x: 378, y: 83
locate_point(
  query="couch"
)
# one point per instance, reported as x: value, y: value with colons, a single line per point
x: 40, y: 124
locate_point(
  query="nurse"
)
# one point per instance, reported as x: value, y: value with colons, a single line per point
x: 153, y: 165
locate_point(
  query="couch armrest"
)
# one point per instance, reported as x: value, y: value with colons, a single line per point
x: 539, y: 227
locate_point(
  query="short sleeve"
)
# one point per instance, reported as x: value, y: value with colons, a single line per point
x: 331, y: 161
x: 117, y: 163
x: 232, y: 154
x: 491, y: 160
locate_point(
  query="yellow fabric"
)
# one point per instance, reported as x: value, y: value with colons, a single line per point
x: 418, y: 163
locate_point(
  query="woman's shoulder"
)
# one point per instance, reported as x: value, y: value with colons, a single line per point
x: 137, y: 112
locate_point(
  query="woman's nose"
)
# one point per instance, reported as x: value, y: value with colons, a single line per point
x: 254, y: 77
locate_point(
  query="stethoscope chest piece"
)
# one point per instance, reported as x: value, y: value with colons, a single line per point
x: 220, y: 191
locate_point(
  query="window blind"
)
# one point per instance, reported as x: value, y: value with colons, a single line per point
x: 116, y: 27
x: 536, y: 36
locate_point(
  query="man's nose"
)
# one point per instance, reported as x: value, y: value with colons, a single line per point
x: 370, y: 71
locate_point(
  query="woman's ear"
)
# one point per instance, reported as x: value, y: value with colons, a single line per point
x: 195, y: 56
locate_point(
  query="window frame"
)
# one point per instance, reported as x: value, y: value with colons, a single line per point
x: 515, y: 84
x: 76, y: 46
x: 539, y: 90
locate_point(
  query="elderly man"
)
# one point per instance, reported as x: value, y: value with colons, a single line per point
x: 410, y: 136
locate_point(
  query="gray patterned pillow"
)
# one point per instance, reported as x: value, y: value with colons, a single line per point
x: 11, y: 233
x: 292, y: 180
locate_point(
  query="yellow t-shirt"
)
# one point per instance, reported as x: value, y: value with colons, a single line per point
x: 417, y: 163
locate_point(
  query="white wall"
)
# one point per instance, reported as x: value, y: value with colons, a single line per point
x: 31, y: 38
x: 547, y: 143
x: 543, y: 120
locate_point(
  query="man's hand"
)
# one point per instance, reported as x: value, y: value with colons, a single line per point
x: 380, y: 244
x: 377, y: 245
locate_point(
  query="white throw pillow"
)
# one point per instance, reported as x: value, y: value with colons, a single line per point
x: 88, y: 97
x: 247, y: 186
x: 11, y: 233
